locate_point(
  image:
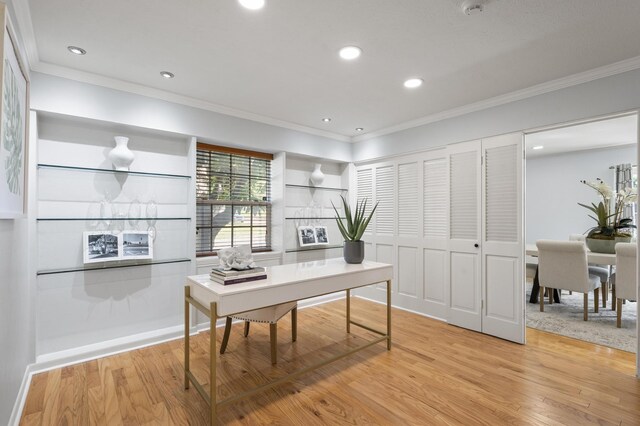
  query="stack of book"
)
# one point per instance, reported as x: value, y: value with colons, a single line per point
x: 233, y: 276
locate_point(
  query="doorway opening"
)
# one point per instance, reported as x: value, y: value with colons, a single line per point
x: 563, y: 164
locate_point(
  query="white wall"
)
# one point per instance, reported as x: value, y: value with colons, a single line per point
x: 59, y: 95
x: 553, y: 190
x: 604, y: 96
x: 16, y: 331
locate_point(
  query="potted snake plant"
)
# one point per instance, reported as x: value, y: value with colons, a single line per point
x: 352, y: 228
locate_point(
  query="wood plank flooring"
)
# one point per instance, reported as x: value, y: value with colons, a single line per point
x: 435, y: 374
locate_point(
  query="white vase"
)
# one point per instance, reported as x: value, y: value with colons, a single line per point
x: 121, y: 156
x: 317, y: 177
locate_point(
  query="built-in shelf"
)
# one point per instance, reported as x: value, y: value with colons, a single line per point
x: 105, y: 266
x: 326, y: 188
x: 121, y: 172
x: 313, y: 248
x: 312, y: 218
x: 46, y: 219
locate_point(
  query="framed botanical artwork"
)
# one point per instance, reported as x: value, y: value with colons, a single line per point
x: 306, y: 236
x: 136, y: 245
x: 100, y: 246
x: 322, y: 235
x: 13, y: 128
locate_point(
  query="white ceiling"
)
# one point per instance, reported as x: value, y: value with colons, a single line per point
x: 281, y: 62
x: 596, y: 134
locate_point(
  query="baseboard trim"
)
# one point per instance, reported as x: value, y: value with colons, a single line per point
x: 422, y: 314
x: 21, y: 398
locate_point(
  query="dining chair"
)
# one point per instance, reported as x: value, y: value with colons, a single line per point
x: 563, y: 265
x: 601, y: 272
x: 270, y: 315
x: 626, y: 279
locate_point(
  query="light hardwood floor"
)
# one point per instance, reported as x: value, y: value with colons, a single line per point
x: 435, y: 374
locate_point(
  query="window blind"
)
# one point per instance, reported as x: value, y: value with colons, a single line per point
x: 233, y: 191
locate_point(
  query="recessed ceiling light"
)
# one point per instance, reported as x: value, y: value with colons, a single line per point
x: 167, y: 74
x: 326, y: 119
x: 359, y: 129
x: 350, y: 52
x: 412, y: 83
x: 76, y: 50
x: 537, y: 147
x: 252, y: 4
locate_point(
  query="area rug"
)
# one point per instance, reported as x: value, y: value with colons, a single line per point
x: 565, y: 318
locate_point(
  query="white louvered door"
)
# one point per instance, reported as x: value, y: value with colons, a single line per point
x: 502, y: 239
x: 435, y: 233
x: 465, y: 293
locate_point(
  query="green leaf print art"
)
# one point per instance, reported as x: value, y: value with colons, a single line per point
x: 12, y: 129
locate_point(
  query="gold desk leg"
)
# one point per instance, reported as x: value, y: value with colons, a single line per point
x: 389, y: 315
x: 187, y: 294
x: 348, y: 311
x: 213, y: 319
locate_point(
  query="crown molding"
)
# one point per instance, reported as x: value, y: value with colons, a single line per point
x: 139, y: 89
x: 539, y: 89
x: 24, y: 23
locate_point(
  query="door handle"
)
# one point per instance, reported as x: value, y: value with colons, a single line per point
x: 476, y: 245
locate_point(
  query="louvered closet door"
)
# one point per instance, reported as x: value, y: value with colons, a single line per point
x: 408, y: 257
x: 364, y: 177
x: 465, y: 295
x: 502, y: 239
x: 385, y: 217
x: 435, y: 233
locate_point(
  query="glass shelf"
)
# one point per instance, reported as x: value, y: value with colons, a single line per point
x: 313, y: 248
x: 326, y: 188
x: 123, y: 172
x: 108, y: 266
x: 108, y: 218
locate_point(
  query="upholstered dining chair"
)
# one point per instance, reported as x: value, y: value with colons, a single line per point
x: 563, y: 265
x: 601, y: 272
x: 625, y: 277
x: 270, y: 315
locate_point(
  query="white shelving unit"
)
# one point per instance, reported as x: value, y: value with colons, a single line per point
x: 77, y: 190
x: 309, y: 205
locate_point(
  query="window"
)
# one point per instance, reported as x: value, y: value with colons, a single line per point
x: 233, y: 191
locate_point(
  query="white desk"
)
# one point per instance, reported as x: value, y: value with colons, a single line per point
x: 285, y: 283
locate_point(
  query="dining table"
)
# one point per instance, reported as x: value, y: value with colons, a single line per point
x: 593, y: 258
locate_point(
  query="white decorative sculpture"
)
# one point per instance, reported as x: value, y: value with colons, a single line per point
x: 121, y: 156
x: 236, y: 258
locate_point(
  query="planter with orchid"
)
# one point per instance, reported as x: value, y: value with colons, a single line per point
x: 612, y: 226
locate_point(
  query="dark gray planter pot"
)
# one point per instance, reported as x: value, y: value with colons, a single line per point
x: 353, y: 251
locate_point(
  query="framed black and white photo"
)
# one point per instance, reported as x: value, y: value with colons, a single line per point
x: 100, y: 247
x: 136, y: 245
x: 322, y: 235
x: 13, y: 126
x: 306, y: 236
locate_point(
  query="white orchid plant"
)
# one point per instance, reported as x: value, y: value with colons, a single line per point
x: 609, y: 211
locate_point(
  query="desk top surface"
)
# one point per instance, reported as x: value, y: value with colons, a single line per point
x: 294, y: 273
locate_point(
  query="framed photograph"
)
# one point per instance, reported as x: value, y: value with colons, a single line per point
x: 306, y: 236
x: 13, y: 128
x: 322, y: 235
x: 136, y: 245
x: 101, y: 247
